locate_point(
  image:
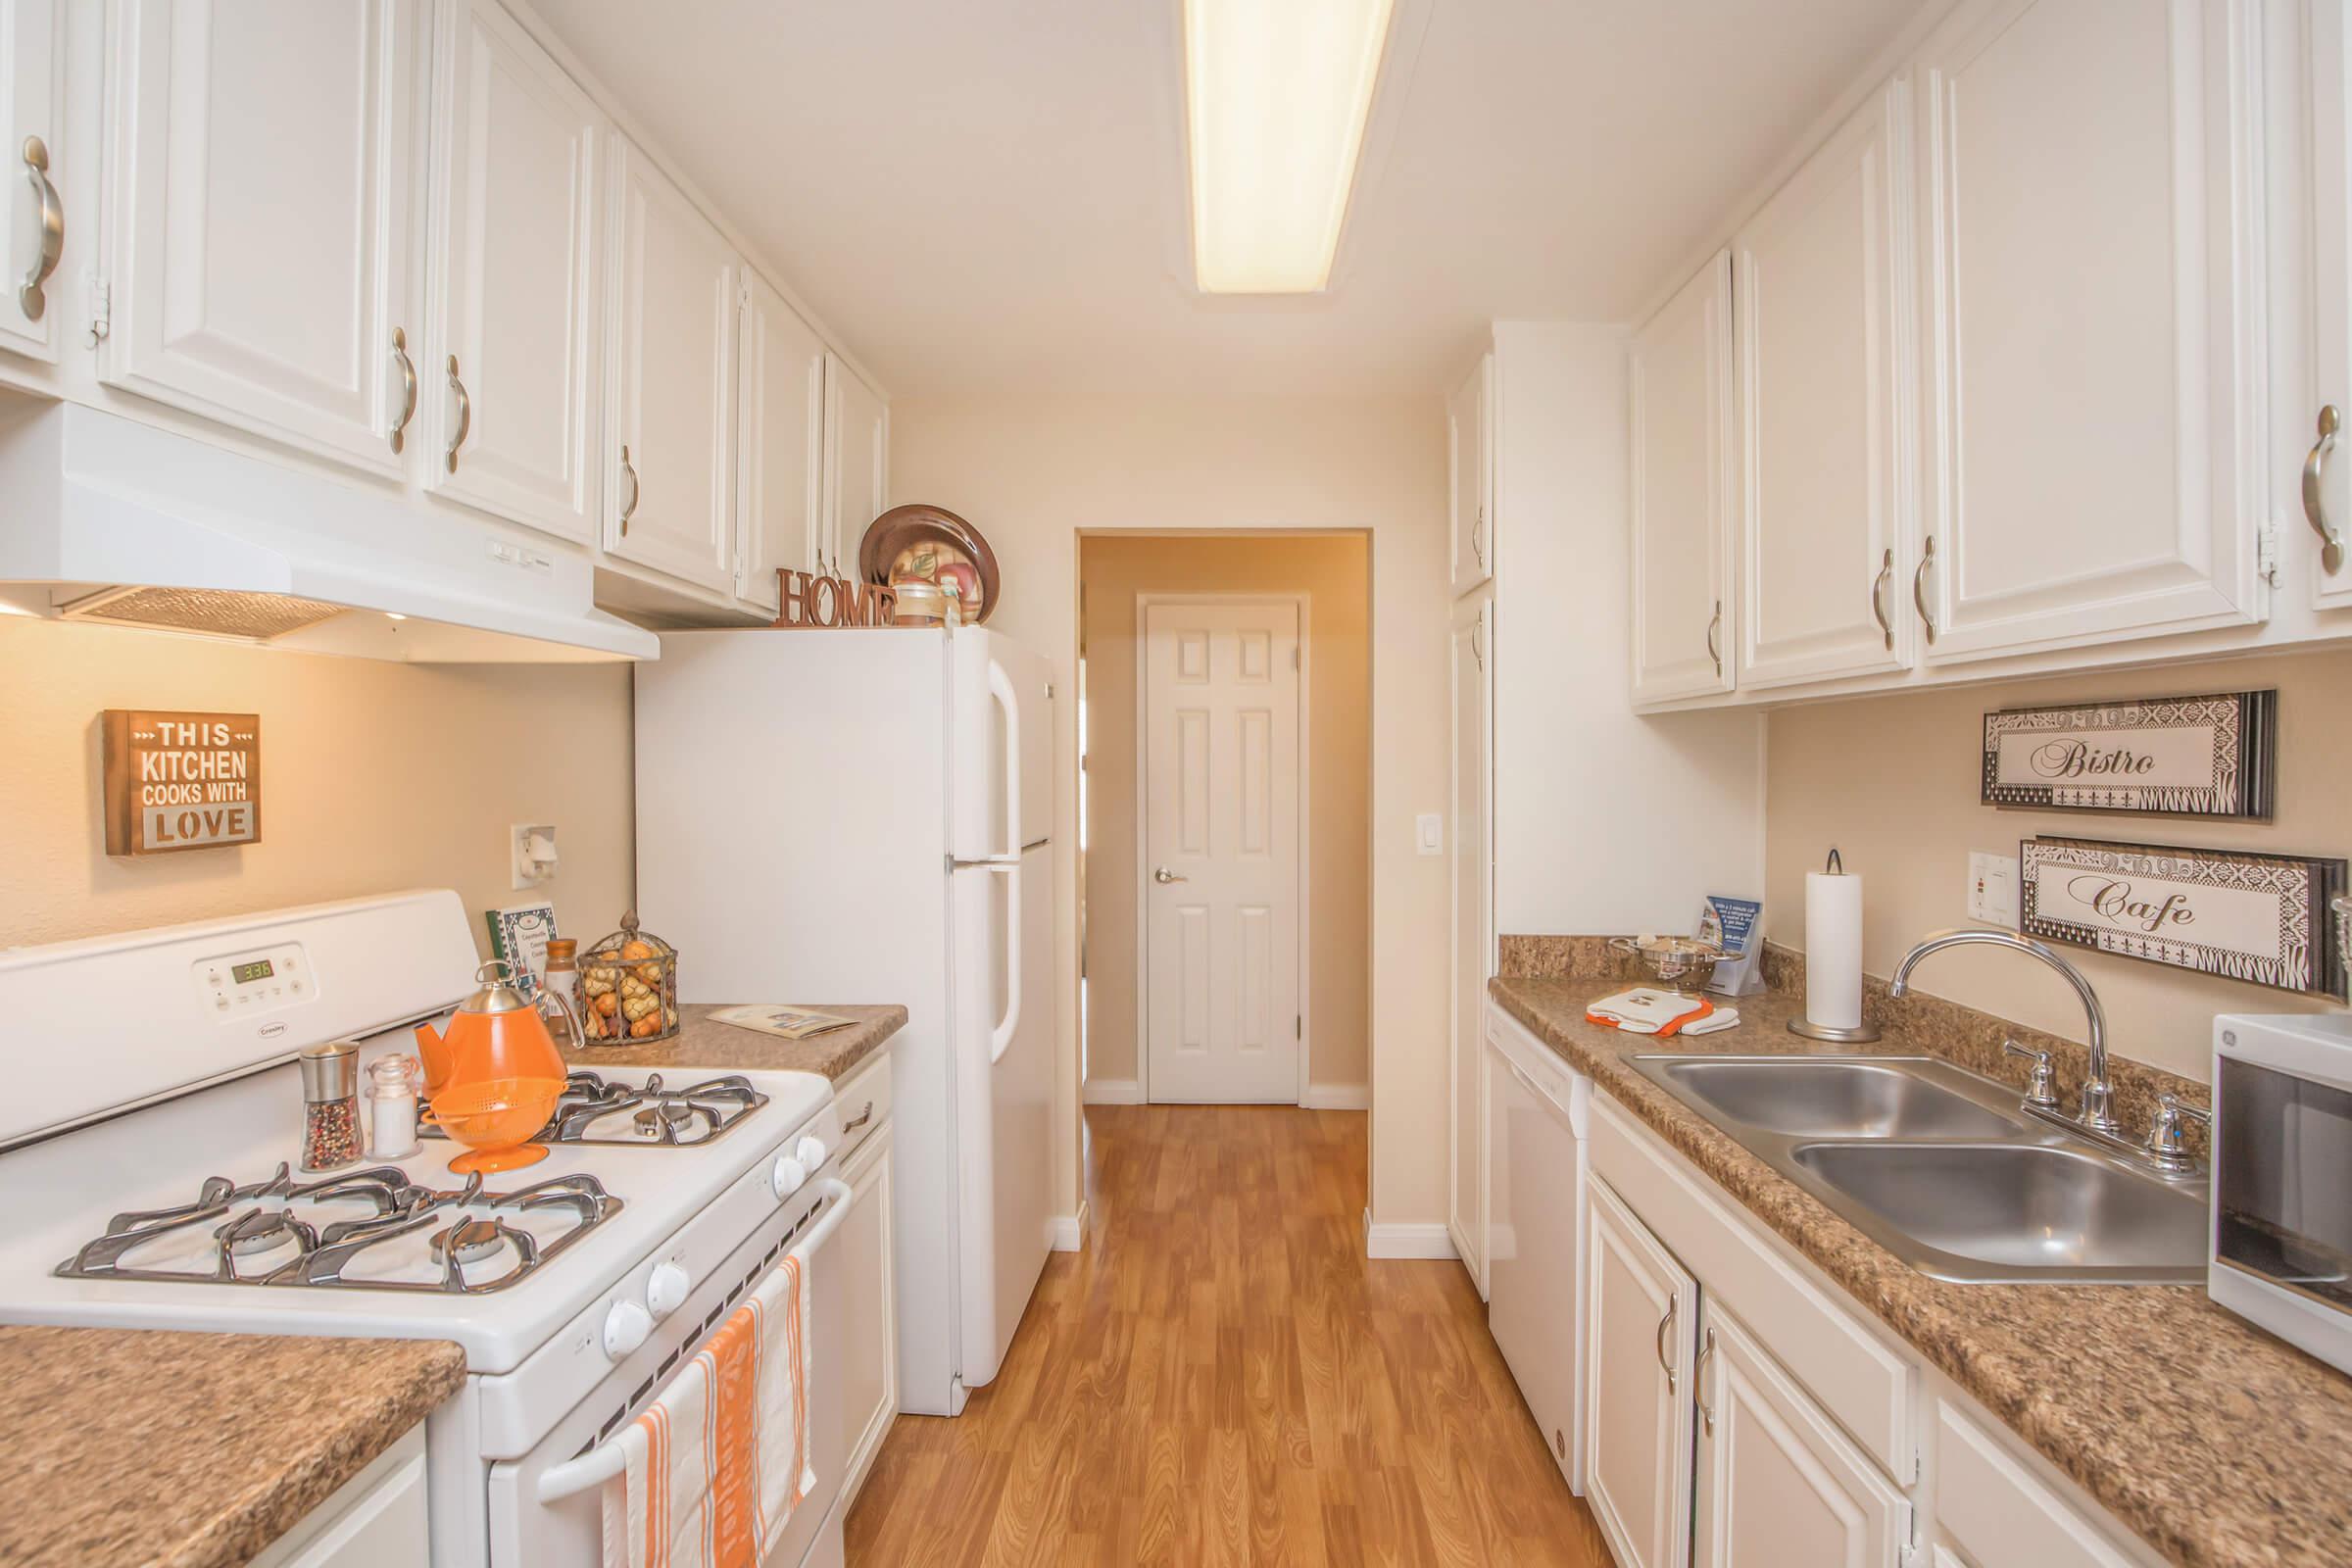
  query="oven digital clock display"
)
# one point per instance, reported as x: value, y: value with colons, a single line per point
x: 258, y: 970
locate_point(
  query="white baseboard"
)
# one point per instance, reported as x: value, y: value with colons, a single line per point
x: 1114, y: 1091
x: 1068, y: 1231
x: 1407, y: 1241
x: 1337, y: 1097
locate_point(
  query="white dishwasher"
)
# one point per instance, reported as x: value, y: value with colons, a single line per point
x: 1537, y: 1107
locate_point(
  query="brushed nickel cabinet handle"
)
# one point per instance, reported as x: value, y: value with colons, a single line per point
x: 1877, y: 600
x: 1664, y: 1360
x: 407, y: 389
x: 1919, y: 590
x: 2315, y: 506
x: 1478, y: 645
x: 1478, y: 531
x: 630, y: 510
x: 1699, y: 1384
x: 1714, y: 649
x: 464, y: 414
x: 864, y: 1117
x: 31, y: 299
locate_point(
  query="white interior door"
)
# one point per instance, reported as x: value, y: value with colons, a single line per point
x: 1221, y: 851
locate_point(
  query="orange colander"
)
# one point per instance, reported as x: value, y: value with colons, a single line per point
x: 496, y: 1118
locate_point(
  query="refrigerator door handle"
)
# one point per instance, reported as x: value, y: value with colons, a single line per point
x: 1000, y: 1039
x: 1000, y: 687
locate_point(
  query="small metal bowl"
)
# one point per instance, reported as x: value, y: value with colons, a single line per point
x: 1677, y: 964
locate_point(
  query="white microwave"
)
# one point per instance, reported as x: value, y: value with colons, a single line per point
x: 2282, y: 1252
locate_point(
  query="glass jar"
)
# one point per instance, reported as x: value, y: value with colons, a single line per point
x: 629, y: 987
x: 394, y: 1082
x: 561, y: 978
x: 332, y: 1138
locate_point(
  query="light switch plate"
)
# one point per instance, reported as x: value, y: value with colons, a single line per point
x: 1992, y: 888
x: 1429, y: 833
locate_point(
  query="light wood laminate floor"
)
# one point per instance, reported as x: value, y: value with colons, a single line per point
x: 1222, y: 1377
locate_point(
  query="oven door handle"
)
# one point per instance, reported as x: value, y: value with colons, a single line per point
x: 602, y: 1462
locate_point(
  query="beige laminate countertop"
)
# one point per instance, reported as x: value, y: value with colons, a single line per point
x: 703, y: 1045
x: 2222, y: 1446
x: 192, y: 1451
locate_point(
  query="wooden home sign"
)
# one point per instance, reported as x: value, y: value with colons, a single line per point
x: 805, y: 599
x: 2182, y: 756
x: 182, y: 781
x: 2247, y: 916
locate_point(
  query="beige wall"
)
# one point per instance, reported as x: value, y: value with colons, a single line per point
x: 1893, y: 782
x: 1033, y: 472
x: 376, y: 776
x: 1335, y: 572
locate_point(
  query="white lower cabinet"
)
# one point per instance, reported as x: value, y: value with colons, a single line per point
x: 1991, y: 1510
x: 1641, y: 1315
x: 1778, y: 1484
x: 378, y: 1519
x: 868, y: 1343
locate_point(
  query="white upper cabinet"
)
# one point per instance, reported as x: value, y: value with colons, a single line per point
x: 1640, y: 1324
x: 510, y: 374
x: 858, y: 468
x: 33, y: 214
x: 779, y: 467
x: 261, y: 225
x: 1470, y: 449
x: 2324, y: 504
x: 2090, y: 262
x: 670, y: 435
x: 1823, y: 352
x: 1681, y: 383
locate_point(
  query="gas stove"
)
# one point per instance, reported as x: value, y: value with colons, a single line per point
x: 647, y: 1114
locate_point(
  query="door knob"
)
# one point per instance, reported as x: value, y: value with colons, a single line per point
x: 1163, y: 876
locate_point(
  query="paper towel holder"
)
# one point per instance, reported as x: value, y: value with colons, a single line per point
x: 1861, y: 1034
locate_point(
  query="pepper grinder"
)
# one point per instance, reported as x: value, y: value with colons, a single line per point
x: 330, y: 1106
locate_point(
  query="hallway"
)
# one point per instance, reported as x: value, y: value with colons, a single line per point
x: 1222, y: 1377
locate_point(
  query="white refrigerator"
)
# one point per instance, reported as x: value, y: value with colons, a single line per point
x: 865, y: 817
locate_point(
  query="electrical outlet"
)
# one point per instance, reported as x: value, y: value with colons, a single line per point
x: 1992, y: 888
x: 535, y: 853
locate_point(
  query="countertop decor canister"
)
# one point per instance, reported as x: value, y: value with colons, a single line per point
x: 1833, y: 957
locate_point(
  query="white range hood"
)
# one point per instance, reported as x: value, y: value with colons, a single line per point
x: 109, y: 520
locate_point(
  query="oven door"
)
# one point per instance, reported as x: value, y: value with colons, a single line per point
x: 569, y: 1465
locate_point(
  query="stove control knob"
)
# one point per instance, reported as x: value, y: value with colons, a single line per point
x: 666, y: 1290
x: 811, y: 1153
x: 625, y: 1328
x: 788, y: 1176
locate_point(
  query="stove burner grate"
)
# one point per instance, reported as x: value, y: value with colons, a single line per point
x: 595, y: 1112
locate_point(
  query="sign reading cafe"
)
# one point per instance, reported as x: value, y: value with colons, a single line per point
x: 182, y: 781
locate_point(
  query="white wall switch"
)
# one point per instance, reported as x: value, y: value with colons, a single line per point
x: 1992, y: 888
x: 1429, y: 833
x: 535, y: 853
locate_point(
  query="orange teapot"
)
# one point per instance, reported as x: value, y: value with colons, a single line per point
x: 494, y: 1034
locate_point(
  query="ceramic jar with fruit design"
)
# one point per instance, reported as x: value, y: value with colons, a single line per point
x: 628, y: 987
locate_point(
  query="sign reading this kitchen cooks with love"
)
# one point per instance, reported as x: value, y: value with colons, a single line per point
x: 2232, y: 912
x: 2212, y: 756
x: 182, y: 781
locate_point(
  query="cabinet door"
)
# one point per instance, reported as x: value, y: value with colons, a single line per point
x: 514, y: 307
x: 1532, y: 1252
x: 1823, y: 352
x: 669, y: 489
x: 2327, y: 515
x: 1681, y: 375
x: 1640, y: 1320
x: 32, y: 216
x: 263, y: 164
x: 869, y: 1334
x: 1779, y: 1486
x: 1473, y: 938
x: 856, y: 463
x: 1470, y: 427
x: 2090, y: 276
x: 780, y: 464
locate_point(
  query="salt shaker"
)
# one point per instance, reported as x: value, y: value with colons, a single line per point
x: 393, y: 1081
x: 330, y: 1106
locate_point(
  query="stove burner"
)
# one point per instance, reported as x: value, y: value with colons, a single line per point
x: 257, y: 1221
x: 595, y: 1112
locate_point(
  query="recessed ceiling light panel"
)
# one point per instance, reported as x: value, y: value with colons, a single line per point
x: 1276, y: 96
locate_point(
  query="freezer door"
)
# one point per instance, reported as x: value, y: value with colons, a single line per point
x: 1005, y: 1093
x: 1002, y: 788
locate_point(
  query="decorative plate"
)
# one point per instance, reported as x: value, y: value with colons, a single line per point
x: 930, y: 542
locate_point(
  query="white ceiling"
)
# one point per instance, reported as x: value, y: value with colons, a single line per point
x: 980, y: 196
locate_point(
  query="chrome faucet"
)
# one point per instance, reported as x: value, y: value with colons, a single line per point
x: 2096, y: 1116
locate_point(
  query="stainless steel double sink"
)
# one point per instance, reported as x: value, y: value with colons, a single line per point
x: 1937, y: 1165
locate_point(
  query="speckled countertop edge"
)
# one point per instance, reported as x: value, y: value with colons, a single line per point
x: 2220, y: 1445
x: 171, y: 1449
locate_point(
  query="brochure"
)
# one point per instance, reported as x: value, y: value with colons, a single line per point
x: 785, y: 1023
x: 1736, y: 925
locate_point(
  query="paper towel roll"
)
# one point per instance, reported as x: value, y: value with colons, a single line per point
x: 1833, y: 950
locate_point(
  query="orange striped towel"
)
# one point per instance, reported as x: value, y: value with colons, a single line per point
x: 714, y: 1467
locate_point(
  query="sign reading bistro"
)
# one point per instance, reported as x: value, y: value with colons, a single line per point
x: 182, y: 781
